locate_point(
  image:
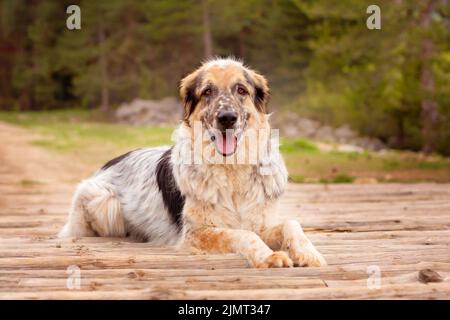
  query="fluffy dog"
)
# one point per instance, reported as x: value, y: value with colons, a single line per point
x: 216, y: 189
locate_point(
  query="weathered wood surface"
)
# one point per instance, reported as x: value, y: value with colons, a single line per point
x: 401, y: 229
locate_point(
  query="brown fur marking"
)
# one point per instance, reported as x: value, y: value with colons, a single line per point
x: 212, y: 241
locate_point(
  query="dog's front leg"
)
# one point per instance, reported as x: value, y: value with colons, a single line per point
x: 289, y: 236
x: 246, y: 243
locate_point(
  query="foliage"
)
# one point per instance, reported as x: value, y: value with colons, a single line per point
x: 319, y: 56
x: 372, y: 79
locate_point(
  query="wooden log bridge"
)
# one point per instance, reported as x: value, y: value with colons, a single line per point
x: 381, y: 241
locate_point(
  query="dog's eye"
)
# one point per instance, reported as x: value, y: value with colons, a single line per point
x: 207, y: 92
x: 242, y: 91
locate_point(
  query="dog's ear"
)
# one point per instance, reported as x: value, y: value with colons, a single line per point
x: 188, y: 86
x: 261, y: 92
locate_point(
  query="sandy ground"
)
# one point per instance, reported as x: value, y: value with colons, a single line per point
x: 27, y: 164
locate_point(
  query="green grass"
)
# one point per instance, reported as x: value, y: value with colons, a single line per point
x: 68, y: 131
x: 296, y: 145
x: 68, y: 137
x: 32, y: 119
x: 339, y: 167
x: 84, y: 136
x: 343, y: 178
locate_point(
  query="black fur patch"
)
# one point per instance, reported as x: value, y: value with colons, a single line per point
x: 191, y: 99
x: 173, y: 200
x: 260, y: 95
x: 114, y: 161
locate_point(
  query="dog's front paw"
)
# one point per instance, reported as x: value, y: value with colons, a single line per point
x: 277, y: 259
x: 307, y: 257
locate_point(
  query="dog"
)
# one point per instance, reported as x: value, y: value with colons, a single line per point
x: 196, y: 193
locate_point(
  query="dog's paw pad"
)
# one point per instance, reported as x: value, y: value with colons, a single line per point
x: 278, y: 259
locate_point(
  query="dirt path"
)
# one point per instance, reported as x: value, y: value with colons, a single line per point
x: 379, y: 240
x: 21, y: 161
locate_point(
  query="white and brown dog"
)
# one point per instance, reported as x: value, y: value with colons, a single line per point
x: 205, y: 191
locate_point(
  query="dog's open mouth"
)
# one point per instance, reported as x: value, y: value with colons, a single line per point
x: 225, y: 142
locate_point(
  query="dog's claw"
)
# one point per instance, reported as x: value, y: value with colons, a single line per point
x: 277, y: 259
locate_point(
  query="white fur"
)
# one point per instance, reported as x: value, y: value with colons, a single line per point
x: 247, y: 200
x: 228, y: 207
x: 123, y: 199
x: 222, y: 63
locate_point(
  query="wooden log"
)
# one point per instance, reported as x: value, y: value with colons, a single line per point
x: 398, y: 291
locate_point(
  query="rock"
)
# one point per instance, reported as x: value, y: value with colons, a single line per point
x: 290, y: 131
x: 349, y: 148
x: 167, y: 111
x: 325, y: 133
x: 428, y: 275
x: 344, y: 134
x: 293, y: 125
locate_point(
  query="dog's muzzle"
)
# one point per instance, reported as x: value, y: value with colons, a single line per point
x: 225, y: 135
x: 226, y: 119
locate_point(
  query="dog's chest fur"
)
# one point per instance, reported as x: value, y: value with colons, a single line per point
x: 233, y: 196
x: 224, y: 186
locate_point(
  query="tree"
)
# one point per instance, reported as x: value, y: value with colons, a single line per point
x: 430, y: 114
x: 378, y: 81
x: 207, y: 36
x: 319, y: 56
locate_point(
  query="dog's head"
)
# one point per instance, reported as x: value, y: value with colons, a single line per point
x: 227, y: 98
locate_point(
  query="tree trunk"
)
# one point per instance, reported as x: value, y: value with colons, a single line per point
x: 430, y: 114
x: 207, y: 36
x: 103, y: 70
x: 401, y: 132
x: 242, y: 38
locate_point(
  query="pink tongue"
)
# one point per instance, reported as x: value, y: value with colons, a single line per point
x: 226, y: 143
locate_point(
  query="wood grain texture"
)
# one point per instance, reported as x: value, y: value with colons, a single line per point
x: 400, y: 229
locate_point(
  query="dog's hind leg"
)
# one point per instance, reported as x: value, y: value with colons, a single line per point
x: 95, y: 211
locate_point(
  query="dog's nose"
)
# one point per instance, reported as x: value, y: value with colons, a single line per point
x: 227, y: 118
